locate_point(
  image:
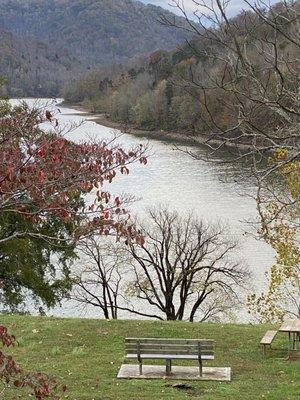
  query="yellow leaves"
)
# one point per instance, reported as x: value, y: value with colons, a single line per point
x: 279, y: 154
x: 280, y: 228
x: 289, y: 170
x: 291, y: 173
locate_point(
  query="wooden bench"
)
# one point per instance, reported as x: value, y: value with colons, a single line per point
x: 169, y: 349
x: 267, y: 340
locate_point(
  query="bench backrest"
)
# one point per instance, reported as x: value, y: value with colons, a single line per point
x: 169, y: 346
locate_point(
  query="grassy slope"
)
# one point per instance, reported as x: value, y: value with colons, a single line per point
x: 88, y: 361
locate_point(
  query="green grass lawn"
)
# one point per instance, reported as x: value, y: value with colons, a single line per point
x: 87, y: 354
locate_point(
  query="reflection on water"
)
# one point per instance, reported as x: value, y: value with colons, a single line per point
x: 175, y: 179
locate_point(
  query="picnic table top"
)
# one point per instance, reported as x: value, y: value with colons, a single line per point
x: 292, y: 325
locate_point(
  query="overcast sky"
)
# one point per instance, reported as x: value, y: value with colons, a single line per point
x: 233, y: 8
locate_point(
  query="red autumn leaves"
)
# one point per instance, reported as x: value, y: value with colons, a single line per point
x: 45, y: 174
x: 41, y: 385
x: 8, y: 366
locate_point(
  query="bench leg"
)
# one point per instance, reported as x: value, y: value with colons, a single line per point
x: 168, y: 367
x: 200, y: 369
x: 141, y: 367
x: 295, y: 339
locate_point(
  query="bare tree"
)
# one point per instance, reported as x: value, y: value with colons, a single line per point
x: 246, y: 75
x: 185, y: 269
x: 98, y: 283
x: 247, y: 82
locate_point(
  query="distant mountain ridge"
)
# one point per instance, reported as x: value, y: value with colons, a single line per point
x: 93, y: 32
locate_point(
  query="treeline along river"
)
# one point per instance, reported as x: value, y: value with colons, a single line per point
x: 210, y: 190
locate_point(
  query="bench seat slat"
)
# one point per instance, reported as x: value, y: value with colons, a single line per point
x: 167, y: 351
x: 268, y: 337
x: 171, y: 356
x: 168, y: 348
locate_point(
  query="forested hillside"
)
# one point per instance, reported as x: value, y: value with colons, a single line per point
x: 203, y: 86
x: 70, y: 33
x: 33, y: 68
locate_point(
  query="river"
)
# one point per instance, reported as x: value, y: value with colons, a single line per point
x: 183, y: 183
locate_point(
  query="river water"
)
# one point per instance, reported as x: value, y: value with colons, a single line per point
x: 174, y: 178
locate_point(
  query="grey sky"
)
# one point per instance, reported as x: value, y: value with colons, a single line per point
x: 233, y: 8
x: 189, y: 5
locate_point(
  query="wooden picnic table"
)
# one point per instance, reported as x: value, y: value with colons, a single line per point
x: 292, y: 327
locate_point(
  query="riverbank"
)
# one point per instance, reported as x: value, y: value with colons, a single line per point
x: 182, y: 137
x: 86, y: 355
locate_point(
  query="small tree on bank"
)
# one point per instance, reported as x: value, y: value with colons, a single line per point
x: 185, y: 269
x: 278, y: 206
